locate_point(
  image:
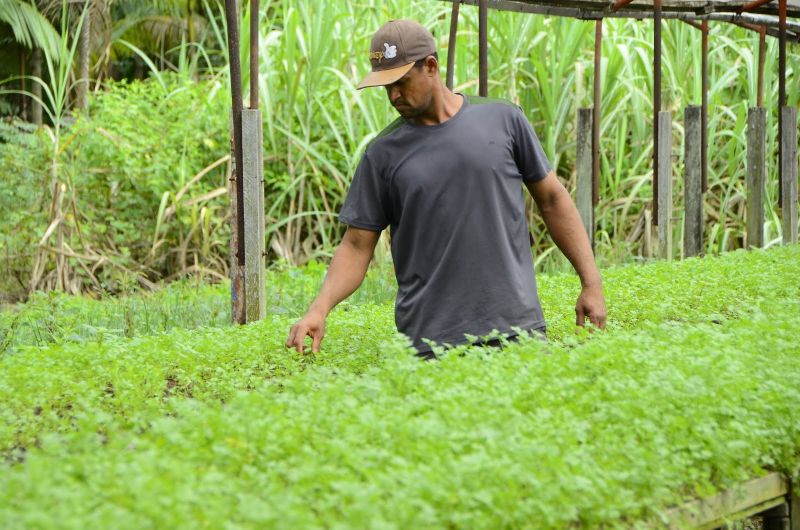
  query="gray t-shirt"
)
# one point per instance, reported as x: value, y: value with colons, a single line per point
x: 453, y: 196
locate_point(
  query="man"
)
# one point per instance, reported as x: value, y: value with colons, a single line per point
x: 447, y: 177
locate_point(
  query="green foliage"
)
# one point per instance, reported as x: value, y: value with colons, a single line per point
x: 56, y: 318
x: 223, y: 427
x: 139, y: 147
x: 692, y: 389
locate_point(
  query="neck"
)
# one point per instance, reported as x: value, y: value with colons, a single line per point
x: 444, y: 105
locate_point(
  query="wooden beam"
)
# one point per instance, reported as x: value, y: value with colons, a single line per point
x: 738, y: 502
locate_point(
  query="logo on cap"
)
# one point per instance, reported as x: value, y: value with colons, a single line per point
x: 390, y: 52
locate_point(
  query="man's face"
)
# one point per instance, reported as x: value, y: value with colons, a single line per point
x: 412, y: 94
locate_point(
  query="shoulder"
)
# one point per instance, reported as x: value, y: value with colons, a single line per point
x: 387, y: 132
x: 494, y: 105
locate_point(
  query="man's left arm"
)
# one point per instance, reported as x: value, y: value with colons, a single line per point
x: 566, y: 228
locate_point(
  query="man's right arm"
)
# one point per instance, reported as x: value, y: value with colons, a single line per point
x: 346, y: 272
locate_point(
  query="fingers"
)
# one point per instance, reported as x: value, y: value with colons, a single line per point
x: 290, y: 340
x: 580, y: 315
x: 298, y: 334
x: 597, y: 317
x: 297, y: 337
x: 600, y: 320
x: 317, y: 340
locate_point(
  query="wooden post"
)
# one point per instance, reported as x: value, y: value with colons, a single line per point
x: 255, y: 301
x: 693, y: 194
x: 777, y: 518
x: 794, y: 505
x: 789, y: 173
x: 756, y: 175
x: 584, y: 184
x: 648, y: 233
x: 665, y: 184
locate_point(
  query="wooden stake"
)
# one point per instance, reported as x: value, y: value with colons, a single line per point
x: 584, y: 184
x: 255, y: 301
x: 665, y: 184
x: 788, y: 183
x: 756, y: 175
x: 693, y: 185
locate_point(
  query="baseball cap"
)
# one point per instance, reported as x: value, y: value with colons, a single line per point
x: 396, y: 46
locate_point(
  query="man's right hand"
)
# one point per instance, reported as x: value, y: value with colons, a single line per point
x: 311, y: 325
x: 347, y: 270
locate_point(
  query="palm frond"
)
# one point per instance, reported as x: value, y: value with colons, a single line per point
x: 30, y: 27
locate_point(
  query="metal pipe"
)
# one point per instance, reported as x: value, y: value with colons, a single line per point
x: 232, y: 20
x: 781, y: 92
x: 753, y: 5
x: 762, y: 56
x: 772, y: 32
x: 451, y: 45
x: 253, y: 54
x: 656, y: 99
x: 598, y: 50
x: 782, y: 54
x: 704, y: 113
x: 619, y: 4
x: 695, y: 25
x: 593, y: 14
x: 483, y: 48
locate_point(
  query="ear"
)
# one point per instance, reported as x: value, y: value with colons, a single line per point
x: 431, y: 65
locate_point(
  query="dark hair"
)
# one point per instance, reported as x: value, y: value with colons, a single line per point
x: 419, y: 64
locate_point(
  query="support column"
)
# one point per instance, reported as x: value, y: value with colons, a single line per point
x: 255, y: 300
x: 781, y: 92
x: 483, y: 48
x: 237, y: 202
x: 777, y: 518
x: 789, y: 174
x: 598, y: 49
x: 665, y: 185
x: 704, y: 103
x: 451, y: 46
x: 656, y: 98
x: 584, y: 186
x: 756, y: 175
x: 693, y: 194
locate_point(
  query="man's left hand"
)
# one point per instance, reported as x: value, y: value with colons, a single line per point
x: 591, y: 305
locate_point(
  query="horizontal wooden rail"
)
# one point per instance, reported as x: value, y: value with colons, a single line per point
x: 744, y: 500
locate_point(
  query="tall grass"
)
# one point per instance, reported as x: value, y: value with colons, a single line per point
x: 317, y: 125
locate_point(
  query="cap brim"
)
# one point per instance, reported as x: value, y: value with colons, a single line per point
x: 384, y: 77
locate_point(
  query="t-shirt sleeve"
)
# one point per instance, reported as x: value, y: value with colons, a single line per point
x: 528, y: 153
x: 367, y: 203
